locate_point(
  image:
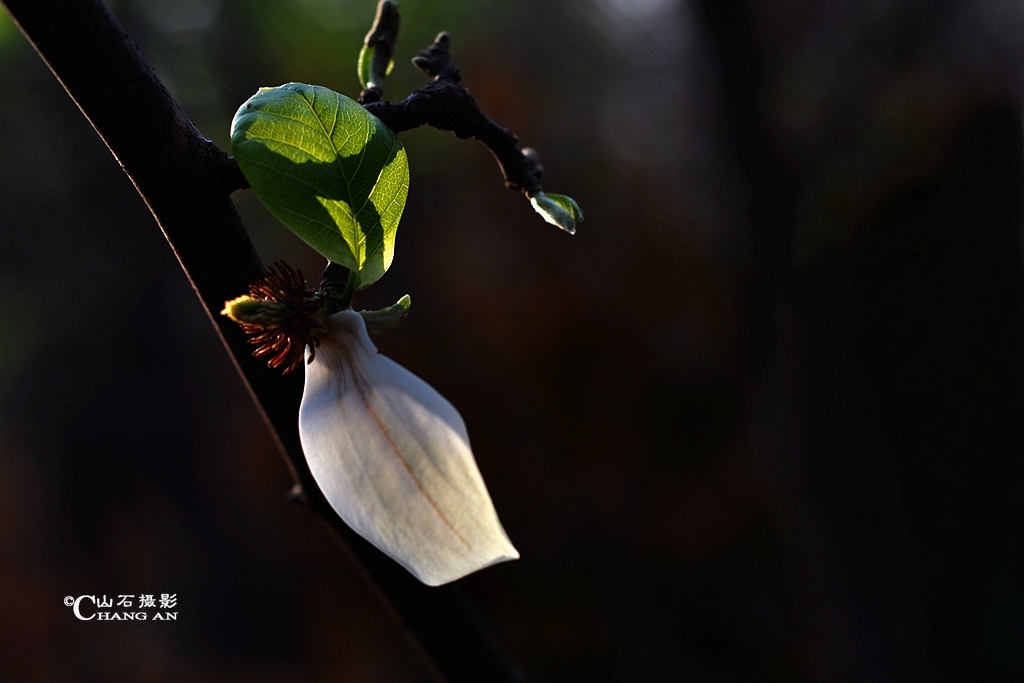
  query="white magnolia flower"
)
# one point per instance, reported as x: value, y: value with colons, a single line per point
x: 392, y: 457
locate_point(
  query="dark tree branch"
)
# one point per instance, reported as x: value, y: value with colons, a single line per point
x: 232, y: 178
x: 185, y: 180
x: 447, y: 105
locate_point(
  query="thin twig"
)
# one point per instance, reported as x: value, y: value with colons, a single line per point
x: 447, y: 105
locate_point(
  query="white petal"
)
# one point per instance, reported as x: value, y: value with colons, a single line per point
x: 392, y: 457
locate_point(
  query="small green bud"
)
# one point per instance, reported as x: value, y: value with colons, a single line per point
x: 558, y: 209
x: 375, y: 65
x: 376, y: 57
x: 247, y: 310
x: 386, y: 318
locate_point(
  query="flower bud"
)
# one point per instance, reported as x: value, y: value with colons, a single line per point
x: 558, y: 209
x: 247, y: 310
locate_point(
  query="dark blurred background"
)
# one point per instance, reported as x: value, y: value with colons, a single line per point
x: 761, y: 419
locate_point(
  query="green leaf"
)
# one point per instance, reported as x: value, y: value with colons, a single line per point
x: 385, y: 319
x: 558, y: 209
x: 334, y: 174
x: 569, y: 204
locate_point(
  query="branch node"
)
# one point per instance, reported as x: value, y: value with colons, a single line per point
x: 370, y: 95
x: 232, y: 178
x: 534, y: 157
x: 436, y: 60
